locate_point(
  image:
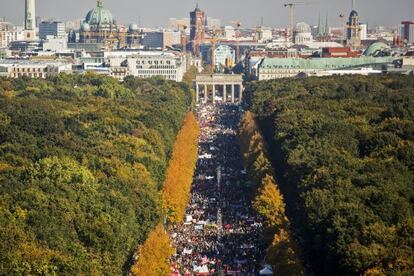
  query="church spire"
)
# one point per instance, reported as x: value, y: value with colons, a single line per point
x: 326, y: 31
x: 320, y: 25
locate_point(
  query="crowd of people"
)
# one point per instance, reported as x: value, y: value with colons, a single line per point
x: 220, y: 234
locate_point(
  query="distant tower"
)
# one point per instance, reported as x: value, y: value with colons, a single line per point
x: 354, y: 28
x: 323, y: 31
x: 30, y: 19
x: 30, y: 15
x: 197, y: 21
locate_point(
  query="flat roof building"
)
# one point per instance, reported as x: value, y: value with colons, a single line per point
x: 51, y: 28
x: 32, y: 69
x: 169, y: 65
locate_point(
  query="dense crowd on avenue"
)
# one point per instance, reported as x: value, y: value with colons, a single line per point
x: 220, y: 234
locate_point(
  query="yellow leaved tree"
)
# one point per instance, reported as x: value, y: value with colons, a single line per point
x: 154, y: 254
x: 282, y: 251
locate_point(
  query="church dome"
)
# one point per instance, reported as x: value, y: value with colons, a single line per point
x: 376, y: 49
x: 99, y: 15
x: 302, y: 27
x: 354, y: 13
x: 133, y: 27
x: 85, y: 27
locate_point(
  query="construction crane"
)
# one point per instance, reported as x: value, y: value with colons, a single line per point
x: 183, y: 28
x: 214, y: 39
x: 237, y: 24
x: 291, y: 7
x: 343, y: 25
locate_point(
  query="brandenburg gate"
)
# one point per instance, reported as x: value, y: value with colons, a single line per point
x: 219, y: 88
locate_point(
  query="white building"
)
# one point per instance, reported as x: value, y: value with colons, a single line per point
x: 8, y: 36
x: 263, y: 34
x: 53, y: 44
x: 169, y: 65
x: 363, y: 31
x: 229, y: 33
x: 213, y: 23
x: 32, y: 69
x: 225, y: 55
x: 178, y: 23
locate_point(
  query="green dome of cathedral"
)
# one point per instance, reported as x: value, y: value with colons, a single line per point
x: 376, y: 48
x: 99, y: 15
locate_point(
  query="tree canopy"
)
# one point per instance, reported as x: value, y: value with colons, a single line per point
x: 342, y: 149
x: 282, y: 251
x: 82, y: 164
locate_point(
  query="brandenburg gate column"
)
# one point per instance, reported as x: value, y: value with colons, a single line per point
x: 205, y: 93
x: 241, y: 93
x: 197, y: 92
x: 224, y: 93
x: 232, y: 93
x: 214, y: 92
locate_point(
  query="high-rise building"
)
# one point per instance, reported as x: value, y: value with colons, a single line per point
x: 51, y: 28
x: 161, y: 39
x: 407, y: 31
x: 364, y: 31
x: 197, y: 22
x: 30, y: 20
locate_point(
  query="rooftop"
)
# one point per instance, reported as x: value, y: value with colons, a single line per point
x: 323, y: 63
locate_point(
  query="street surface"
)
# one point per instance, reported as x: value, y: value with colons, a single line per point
x: 220, y: 234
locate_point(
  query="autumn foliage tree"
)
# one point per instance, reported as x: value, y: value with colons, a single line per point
x: 177, y: 185
x: 282, y: 252
x: 154, y: 254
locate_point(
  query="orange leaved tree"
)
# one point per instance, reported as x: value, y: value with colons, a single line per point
x: 154, y: 254
x: 177, y: 185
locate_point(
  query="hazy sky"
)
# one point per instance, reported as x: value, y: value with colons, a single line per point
x: 156, y: 12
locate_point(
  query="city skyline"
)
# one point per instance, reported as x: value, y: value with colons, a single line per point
x: 250, y: 14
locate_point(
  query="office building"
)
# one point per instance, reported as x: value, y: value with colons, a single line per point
x: 407, y: 31
x: 32, y: 69
x: 55, y: 44
x: 363, y: 31
x: 51, y: 28
x: 169, y: 65
x: 161, y: 39
x: 8, y: 36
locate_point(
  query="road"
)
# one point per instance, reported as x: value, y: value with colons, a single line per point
x: 220, y: 234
